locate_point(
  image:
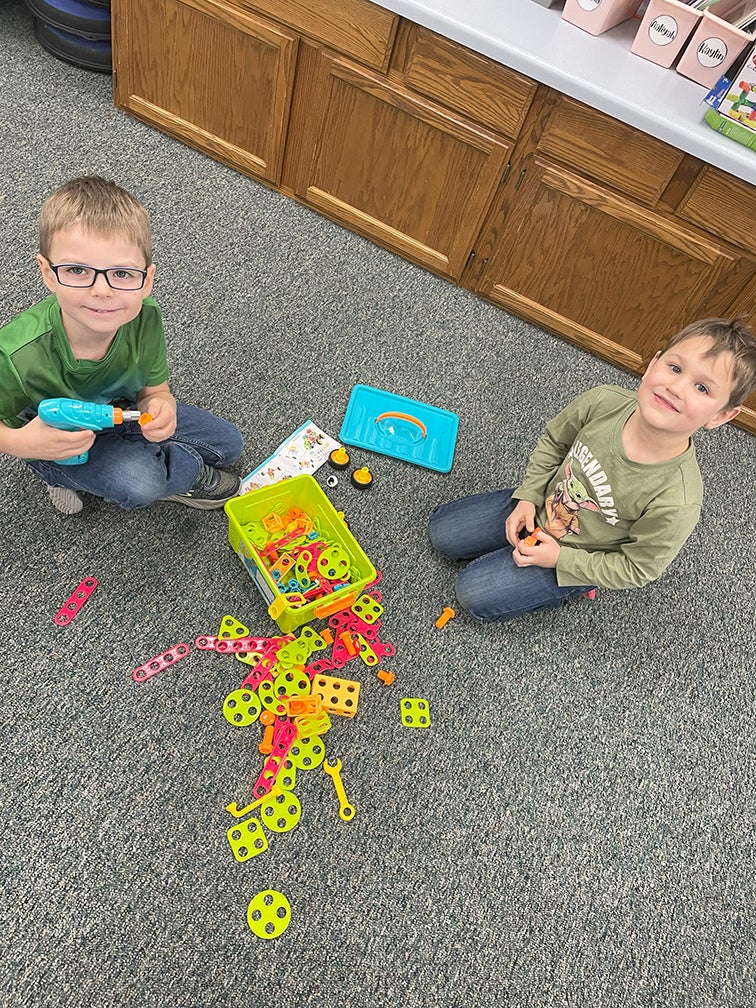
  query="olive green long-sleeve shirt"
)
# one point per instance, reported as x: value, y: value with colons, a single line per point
x: 620, y: 523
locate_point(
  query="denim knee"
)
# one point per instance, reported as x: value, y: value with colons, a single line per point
x: 138, y: 485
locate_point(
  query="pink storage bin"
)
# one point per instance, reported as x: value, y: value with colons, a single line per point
x: 712, y: 49
x: 666, y: 27
x: 598, y: 16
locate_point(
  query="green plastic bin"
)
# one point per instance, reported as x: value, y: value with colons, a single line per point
x: 305, y: 493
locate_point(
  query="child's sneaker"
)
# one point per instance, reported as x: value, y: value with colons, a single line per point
x: 66, y: 501
x: 212, y: 488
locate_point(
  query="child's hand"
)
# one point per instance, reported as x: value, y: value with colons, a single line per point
x: 162, y: 409
x: 545, y: 553
x: 37, y: 440
x: 523, y: 517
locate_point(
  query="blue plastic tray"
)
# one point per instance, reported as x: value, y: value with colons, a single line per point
x: 402, y: 428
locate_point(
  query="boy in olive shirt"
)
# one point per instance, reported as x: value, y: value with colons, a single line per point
x: 99, y: 338
x: 613, y: 485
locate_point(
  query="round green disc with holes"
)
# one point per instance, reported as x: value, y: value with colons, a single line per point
x: 241, y: 708
x: 307, y: 753
x: 292, y: 683
x: 268, y: 914
x: 287, y: 776
x: 270, y: 699
x: 282, y: 812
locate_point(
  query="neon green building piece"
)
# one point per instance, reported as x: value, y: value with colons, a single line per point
x: 415, y: 713
x: 231, y: 629
x: 241, y: 708
x: 292, y: 683
x: 268, y: 914
x: 282, y: 813
x: 247, y: 839
x: 307, y: 753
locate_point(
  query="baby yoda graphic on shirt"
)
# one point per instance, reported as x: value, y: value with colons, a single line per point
x: 563, y: 507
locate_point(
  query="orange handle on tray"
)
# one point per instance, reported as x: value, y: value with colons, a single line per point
x: 404, y: 416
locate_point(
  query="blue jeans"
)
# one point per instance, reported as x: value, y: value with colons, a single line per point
x: 492, y: 586
x: 126, y: 469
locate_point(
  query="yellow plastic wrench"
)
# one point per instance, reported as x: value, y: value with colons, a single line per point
x: 346, y: 811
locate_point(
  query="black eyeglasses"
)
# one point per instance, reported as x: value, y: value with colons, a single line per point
x: 118, y: 277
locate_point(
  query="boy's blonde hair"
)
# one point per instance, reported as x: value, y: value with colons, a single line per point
x: 727, y: 336
x: 101, y: 207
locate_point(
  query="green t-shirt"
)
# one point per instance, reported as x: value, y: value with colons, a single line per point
x: 620, y: 523
x: 36, y: 361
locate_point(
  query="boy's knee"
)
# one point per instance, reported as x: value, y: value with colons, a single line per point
x: 470, y: 597
x: 137, y: 486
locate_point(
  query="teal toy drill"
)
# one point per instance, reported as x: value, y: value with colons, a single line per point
x: 72, y: 415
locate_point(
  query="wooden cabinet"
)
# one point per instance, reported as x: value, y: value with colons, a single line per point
x: 577, y: 244
x: 553, y: 210
x: 210, y: 74
x: 393, y: 166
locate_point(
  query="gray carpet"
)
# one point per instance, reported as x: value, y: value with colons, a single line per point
x: 575, y: 828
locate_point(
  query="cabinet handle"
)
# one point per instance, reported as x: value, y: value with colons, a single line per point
x: 482, y: 269
x: 507, y: 170
x: 470, y: 258
x: 521, y: 176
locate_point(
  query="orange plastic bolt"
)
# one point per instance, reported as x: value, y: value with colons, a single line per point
x: 266, y: 745
x: 145, y: 418
x: 349, y: 642
x: 532, y: 539
x: 385, y: 677
x: 327, y: 634
x: 445, y: 616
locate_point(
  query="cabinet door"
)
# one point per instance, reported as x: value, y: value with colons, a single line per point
x: 611, y: 276
x: 208, y: 74
x: 391, y: 166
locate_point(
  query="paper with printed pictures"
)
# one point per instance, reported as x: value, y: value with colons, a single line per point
x: 305, y: 451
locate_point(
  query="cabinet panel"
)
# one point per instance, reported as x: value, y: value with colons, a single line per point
x: 609, y: 151
x: 479, y: 88
x: 723, y: 205
x: 224, y: 83
x: 355, y: 27
x: 613, y: 277
x: 395, y: 168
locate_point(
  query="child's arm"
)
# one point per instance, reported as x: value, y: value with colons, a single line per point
x: 650, y: 549
x: 37, y: 440
x: 158, y: 401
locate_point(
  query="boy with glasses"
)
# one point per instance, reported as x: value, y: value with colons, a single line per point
x: 99, y: 338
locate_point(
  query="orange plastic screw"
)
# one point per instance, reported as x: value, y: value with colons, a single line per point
x: 266, y: 745
x: 445, y: 616
x: 349, y: 642
x: 385, y: 677
x: 532, y: 539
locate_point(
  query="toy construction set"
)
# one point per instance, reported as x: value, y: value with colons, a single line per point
x: 307, y: 566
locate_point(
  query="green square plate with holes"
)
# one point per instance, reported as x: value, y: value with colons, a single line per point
x: 400, y: 427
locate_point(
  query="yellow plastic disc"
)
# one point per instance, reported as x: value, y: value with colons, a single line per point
x: 268, y: 914
x: 241, y: 708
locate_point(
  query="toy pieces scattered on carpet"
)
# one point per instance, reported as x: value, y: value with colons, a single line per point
x: 160, y: 662
x: 75, y: 601
x: 362, y: 478
x: 268, y: 914
x: 415, y: 712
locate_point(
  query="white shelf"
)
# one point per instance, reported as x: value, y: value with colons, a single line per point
x: 599, y: 71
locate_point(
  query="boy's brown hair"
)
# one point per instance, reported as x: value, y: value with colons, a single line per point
x: 727, y: 336
x: 100, y: 207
